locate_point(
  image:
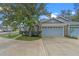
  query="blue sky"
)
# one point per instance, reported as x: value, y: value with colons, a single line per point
x: 57, y: 7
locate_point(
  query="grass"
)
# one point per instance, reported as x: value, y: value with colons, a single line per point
x: 9, y: 35
x: 17, y: 36
x: 27, y: 38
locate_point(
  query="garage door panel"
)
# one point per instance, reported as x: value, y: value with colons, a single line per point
x: 52, y: 32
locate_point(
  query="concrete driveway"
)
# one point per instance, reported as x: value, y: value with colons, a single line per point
x: 42, y: 47
x: 61, y: 46
x: 21, y: 48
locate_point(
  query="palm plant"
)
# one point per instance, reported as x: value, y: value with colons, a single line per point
x: 24, y: 13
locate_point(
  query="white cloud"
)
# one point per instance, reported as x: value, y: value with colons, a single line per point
x: 73, y: 12
x: 53, y: 15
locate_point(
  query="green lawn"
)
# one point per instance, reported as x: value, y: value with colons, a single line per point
x: 17, y: 36
x: 27, y: 38
x: 9, y: 35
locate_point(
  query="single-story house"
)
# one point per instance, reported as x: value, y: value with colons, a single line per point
x: 6, y: 28
x: 59, y: 27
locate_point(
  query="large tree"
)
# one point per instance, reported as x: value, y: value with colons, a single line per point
x: 23, y: 13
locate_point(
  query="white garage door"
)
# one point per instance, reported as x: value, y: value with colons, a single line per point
x: 52, y: 31
x: 74, y: 31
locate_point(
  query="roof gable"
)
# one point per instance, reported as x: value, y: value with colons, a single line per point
x: 59, y: 19
x: 52, y: 20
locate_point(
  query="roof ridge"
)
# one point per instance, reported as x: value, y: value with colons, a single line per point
x: 63, y: 18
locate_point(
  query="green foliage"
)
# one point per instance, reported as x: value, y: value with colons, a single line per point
x: 23, y: 13
x: 76, y: 16
x: 19, y: 11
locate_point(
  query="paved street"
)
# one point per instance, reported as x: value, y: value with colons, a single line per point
x: 42, y: 47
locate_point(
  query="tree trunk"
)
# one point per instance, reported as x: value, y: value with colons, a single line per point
x: 30, y: 31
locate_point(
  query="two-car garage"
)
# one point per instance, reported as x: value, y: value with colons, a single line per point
x: 52, y: 30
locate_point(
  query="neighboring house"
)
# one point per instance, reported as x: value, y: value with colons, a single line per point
x: 6, y: 28
x: 24, y: 29
x: 59, y: 27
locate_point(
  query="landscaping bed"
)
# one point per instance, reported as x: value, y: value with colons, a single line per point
x: 28, y: 38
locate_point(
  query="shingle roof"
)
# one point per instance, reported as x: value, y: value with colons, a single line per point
x: 59, y: 19
x: 61, y: 22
